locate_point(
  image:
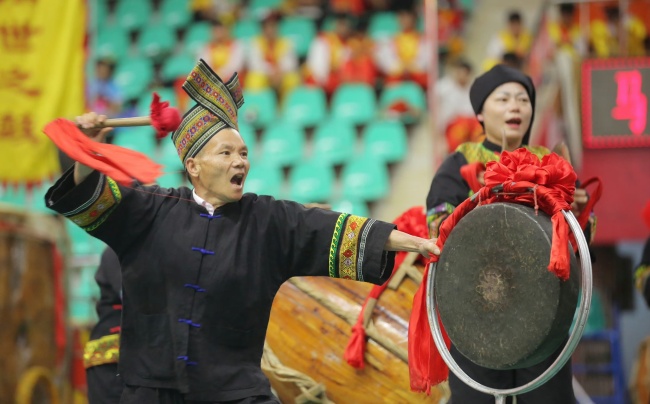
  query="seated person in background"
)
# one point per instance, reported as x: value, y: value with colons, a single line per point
x: 352, y: 7
x: 512, y: 60
x: 360, y: 66
x: 606, y: 36
x: 515, y: 38
x: 565, y: 32
x: 328, y: 54
x: 272, y: 60
x: 405, y: 56
x: 103, y: 93
x: 224, y: 54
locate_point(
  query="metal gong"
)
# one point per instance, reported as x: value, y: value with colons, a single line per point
x: 498, y: 302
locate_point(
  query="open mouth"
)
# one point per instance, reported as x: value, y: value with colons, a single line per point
x: 514, y: 122
x: 237, y: 179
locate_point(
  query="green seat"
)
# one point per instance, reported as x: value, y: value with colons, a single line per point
x: 132, y: 15
x: 408, y: 91
x: 196, y: 37
x: 264, y: 179
x: 258, y: 8
x: 334, y: 142
x: 156, y: 41
x: 13, y: 195
x: 37, y: 198
x: 247, y: 132
x: 143, y: 107
x: 112, y: 43
x: 354, y: 103
x: 177, y: 66
x: 282, y: 144
x: 133, y: 76
x: 385, y: 140
x: 311, y: 181
x: 246, y: 29
x: 82, y: 243
x: 260, y: 108
x: 171, y: 179
x: 352, y: 206
x: 98, y: 15
x: 383, y: 25
x: 175, y: 13
x: 305, y: 106
x: 328, y: 24
x: 365, y: 179
x: 301, y: 31
x: 138, y: 138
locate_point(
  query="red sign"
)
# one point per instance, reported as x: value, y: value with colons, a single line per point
x: 615, y: 102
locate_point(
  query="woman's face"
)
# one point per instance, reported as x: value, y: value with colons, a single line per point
x: 507, y: 112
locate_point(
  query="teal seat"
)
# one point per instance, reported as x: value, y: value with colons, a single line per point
x: 258, y: 8
x: 264, y: 179
x: 282, y: 144
x: 175, y: 13
x: 138, y: 138
x: 246, y: 29
x: 156, y: 41
x: 82, y: 243
x: 352, y: 206
x: 247, y: 132
x: 98, y: 15
x: 173, y: 169
x: 260, y: 108
x: 177, y: 66
x: 112, y: 43
x: 334, y: 142
x: 143, y: 106
x: 196, y: 37
x: 133, y: 15
x: 301, y: 31
x: 365, y: 179
x: 311, y: 181
x: 354, y: 103
x: 305, y: 106
x: 385, y: 140
x: 171, y: 179
x: 383, y: 25
x: 133, y: 76
x: 408, y: 91
x: 37, y: 198
x: 328, y: 24
x: 15, y: 196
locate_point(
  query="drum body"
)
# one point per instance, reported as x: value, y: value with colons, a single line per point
x: 310, y: 327
x: 498, y: 302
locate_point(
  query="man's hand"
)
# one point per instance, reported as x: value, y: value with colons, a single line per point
x: 91, y: 125
x: 429, y: 248
x: 580, y: 199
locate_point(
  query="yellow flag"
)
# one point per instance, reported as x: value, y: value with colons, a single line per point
x: 41, y: 78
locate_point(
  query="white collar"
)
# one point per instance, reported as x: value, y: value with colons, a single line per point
x: 203, y: 202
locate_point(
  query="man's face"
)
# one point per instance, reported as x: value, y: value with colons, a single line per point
x: 462, y: 75
x: 270, y: 28
x: 515, y: 27
x: 507, y: 112
x: 219, y: 170
x: 219, y: 33
x: 406, y: 21
x: 342, y: 28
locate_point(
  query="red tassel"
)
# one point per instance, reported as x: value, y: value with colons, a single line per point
x: 163, y: 117
x: 560, y: 264
x: 356, y: 348
x: 470, y: 173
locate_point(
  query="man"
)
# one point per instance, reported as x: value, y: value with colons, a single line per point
x: 607, y: 36
x: 565, y: 33
x: 503, y: 100
x: 200, y: 268
x: 515, y: 38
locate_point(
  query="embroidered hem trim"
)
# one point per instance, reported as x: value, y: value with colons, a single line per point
x: 102, y: 351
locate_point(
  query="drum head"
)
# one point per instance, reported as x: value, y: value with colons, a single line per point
x: 500, y: 305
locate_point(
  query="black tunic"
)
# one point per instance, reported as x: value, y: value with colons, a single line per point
x: 198, y: 288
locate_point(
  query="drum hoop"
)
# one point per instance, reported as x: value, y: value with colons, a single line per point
x: 570, y: 346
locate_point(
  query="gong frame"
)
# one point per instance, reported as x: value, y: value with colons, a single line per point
x: 570, y: 346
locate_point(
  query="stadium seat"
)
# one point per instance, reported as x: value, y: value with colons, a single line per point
x: 365, y: 179
x: 385, y: 140
x: 260, y: 107
x: 98, y: 16
x: 334, y: 142
x: 112, y: 43
x: 133, y: 15
x: 282, y: 144
x: 171, y: 179
x: 352, y: 206
x: 354, y: 103
x: 383, y: 25
x: 175, y: 13
x: 408, y: 91
x: 83, y: 244
x: 139, y: 138
x: 305, y: 106
x: 143, y: 107
x: 311, y: 181
x: 258, y: 8
x: 133, y: 76
x: 156, y: 41
x: 264, y: 180
x: 196, y: 37
x: 301, y: 31
x: 13, y: 195
x: 246, y: 29
x: 247, y: 132
x: 177, y: 66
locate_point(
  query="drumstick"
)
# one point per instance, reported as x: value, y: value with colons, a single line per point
x: 124, y: 122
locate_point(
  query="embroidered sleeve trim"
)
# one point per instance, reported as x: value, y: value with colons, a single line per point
x: 334, y: 246
x: 349, y: 247
x: 102, y: 351
x: 362, y: 248
x: 641, y: 276
x: 95, y: 211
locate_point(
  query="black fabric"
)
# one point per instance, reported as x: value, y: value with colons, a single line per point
x: 483, y: 86
x: 142, y: 395
x: 645, y: 260
x: 109, y: 280
x: 104, y: 384
x: 558, y: 390
x: 254, y: 246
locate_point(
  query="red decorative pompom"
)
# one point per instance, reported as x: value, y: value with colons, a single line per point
x: 163, y: 117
